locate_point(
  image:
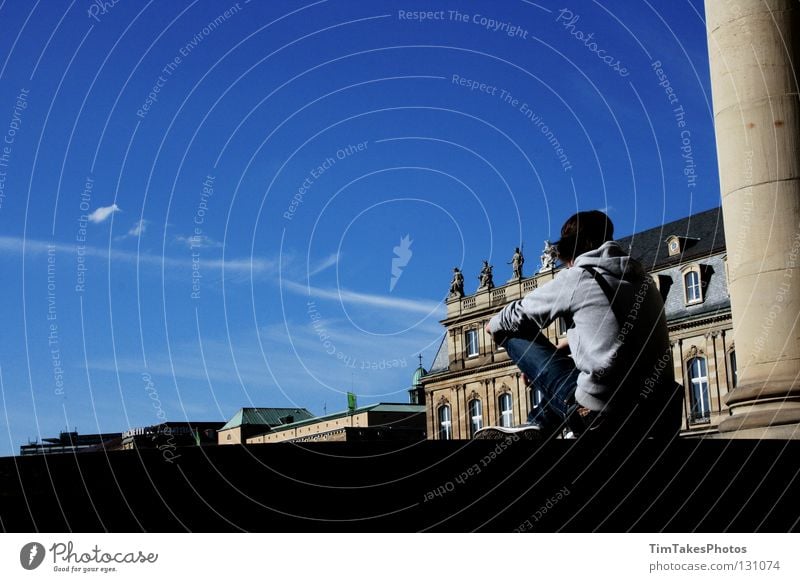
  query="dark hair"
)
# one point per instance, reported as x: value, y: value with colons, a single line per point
x: 583, y: 232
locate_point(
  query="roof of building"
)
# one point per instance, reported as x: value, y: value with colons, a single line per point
x: 441, y: 363
x: 703, y: 235
x: 266, y: 417
x: 379, y: 407
x: 74, y: 438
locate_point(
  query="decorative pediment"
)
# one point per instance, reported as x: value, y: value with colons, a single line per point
x: 694, y: 351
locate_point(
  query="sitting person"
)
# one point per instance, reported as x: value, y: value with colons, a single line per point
x: 620, y: 375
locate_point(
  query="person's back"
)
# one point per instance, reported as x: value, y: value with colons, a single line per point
x: 620, y: 339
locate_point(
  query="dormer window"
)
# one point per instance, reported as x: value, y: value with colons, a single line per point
x: 693, y: 292
x: 677, y: 245
x: 674, y: 246
x: 692, y: 284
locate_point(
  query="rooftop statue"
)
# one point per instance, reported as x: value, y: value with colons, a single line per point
x: 516, y: 264
x: 485, y: 278
x: 456, y: 285
x: 549, y: 257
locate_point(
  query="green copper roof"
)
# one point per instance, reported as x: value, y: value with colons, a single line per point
x: 418, y: 374
x: 267, y: 416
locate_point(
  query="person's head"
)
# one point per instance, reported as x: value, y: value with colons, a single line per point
x: 583, y: 232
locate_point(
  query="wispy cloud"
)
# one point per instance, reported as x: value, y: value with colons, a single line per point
x: 200, y: 241
x: 423, y: 306
x: 138, y: 228
x: 326, y: 263
x: 235, y: 265
x: 102, y: 213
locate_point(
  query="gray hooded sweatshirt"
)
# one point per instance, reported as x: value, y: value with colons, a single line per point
x: 619, y: 359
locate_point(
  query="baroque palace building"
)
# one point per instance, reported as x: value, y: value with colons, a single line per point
x: 472, y: 383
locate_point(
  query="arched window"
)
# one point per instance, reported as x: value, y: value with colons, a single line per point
x: 506, y: 411
x: 698, y: 378
x: 445, y: 423
x: 475, y: 416
x: 691, y: 281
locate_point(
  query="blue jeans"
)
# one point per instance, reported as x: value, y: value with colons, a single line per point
x: 552, y: 372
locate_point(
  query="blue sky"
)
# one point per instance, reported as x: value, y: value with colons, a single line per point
x: 207, y: 197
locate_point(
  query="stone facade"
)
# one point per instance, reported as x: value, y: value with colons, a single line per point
x: 473, y: 383
x: 382, y: 421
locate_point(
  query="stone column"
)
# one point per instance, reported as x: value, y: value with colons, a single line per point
x: 754, y: 54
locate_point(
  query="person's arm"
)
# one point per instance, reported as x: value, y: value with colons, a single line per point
x: 537, y: 309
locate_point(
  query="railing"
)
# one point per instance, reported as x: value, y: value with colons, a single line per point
x: 498, y: 296
x: 528, y: 285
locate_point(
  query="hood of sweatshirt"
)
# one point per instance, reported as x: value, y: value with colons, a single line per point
x: 610, y: 257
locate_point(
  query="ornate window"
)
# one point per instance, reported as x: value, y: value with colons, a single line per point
x: 475, y: 416
x: 692, y: 285
x: 471, y: 343
x: 699, y: 395
x: 504, y: 405
x: 445, y: 423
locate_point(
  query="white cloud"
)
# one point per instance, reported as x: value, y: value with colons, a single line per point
x: 138, y: 228
x: 102, y: 213
x: 423, y: 306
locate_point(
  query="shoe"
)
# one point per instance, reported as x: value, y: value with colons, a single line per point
x: 531, y: 432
